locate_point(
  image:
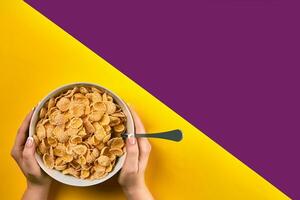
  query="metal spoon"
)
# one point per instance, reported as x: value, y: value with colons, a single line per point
x: 174, y: 135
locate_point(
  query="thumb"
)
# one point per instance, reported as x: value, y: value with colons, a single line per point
x: 30, y: 164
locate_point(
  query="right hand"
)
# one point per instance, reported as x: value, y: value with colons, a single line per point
x: 132, y: 176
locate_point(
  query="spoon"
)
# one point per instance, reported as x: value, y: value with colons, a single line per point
x: 174, y: 135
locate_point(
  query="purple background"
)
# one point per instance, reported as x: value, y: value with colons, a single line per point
x: 230, y: 68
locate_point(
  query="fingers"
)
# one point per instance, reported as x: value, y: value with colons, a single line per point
x: 144, y: 152
x: 29, y: 161
x: 137, y: 122
x: 131, y: 164
x: 143, y: 143
x: 21, y: 136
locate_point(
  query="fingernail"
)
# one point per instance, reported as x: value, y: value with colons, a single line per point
x: 29, y: 142
x: 131, y: 140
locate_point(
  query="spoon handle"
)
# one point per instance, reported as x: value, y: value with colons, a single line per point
x: 174, y: 135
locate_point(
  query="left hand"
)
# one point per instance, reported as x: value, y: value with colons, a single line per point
x: 38, y: 183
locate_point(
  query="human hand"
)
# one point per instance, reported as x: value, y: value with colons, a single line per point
x: 38, y: 183
x: 132, y: 176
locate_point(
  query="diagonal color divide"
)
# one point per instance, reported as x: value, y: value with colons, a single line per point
x: 230, y: 68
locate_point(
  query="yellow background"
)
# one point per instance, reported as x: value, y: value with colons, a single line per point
x: 36, y: 56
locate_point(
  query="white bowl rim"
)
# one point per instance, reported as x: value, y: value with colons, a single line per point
x: 67, y: 179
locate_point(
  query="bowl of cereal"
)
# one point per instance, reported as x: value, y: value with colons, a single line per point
x: 77, y: 131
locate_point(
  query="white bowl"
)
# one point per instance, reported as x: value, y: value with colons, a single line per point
x: 67, y: 179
